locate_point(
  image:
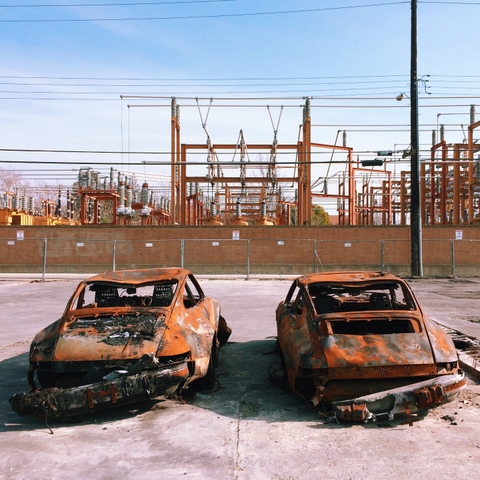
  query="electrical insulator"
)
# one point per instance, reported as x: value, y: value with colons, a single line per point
x: 89, y: 178
x: 263, y: 209
x: 145, y: 194
x: 129, y: 199
x: 121, y: 193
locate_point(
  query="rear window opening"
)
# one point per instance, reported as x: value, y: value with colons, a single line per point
x: 371, y: 327
x: 111, y: 295
x: 362, y: 297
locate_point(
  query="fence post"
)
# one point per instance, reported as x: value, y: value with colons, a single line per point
x: 248, y: 259
x: 182, y: 252
x: 382, y: 258
x: 114, y: 254
x: 453, y: 256
x: 44, y: 259
x: 314, y: 256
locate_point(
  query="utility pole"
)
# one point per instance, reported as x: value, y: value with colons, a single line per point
x: 415, y: 217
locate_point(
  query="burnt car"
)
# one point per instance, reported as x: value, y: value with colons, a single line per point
x: 360, y: 345
x: 124, y: 336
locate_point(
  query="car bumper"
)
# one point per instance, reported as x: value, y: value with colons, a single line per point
x: 126, y: 388
x: 408, y: 399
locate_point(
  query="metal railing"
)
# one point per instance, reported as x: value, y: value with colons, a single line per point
x: 242, y: 256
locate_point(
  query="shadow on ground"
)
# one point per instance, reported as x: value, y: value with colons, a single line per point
x: 243, y: 392
x: 13, y: 379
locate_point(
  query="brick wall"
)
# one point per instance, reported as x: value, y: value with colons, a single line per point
x: 273, y: 249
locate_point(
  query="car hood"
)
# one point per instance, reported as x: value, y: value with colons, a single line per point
x: 379, y: 350
x: 105, y: 336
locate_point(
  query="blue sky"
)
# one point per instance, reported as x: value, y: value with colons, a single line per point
x: 87, y: 65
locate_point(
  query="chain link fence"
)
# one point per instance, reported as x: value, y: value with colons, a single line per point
x: 237, y: 257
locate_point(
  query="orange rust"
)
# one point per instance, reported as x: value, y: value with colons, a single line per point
x: 408, y: 412
x: 118, y: 321
x: 113, y: 393
x: 90, y: 398
x: 347, y: 334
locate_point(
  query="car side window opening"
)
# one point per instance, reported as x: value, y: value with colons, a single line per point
x: 86, y: 298
x: 193, y: 293
x: 292, y: 293
x: 299, y: 303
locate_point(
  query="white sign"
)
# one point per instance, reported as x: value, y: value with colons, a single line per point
x: 10, y: 242
x: 149, y: 245
x: 215, y: 244
x: 80, y: 244
x: 236, y: 235
x: 20, y: 234
x: 348, y: 244
x: 281, y: 242
x: 458, y: 234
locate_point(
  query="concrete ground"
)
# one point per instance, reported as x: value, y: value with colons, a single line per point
x: 246, y: 428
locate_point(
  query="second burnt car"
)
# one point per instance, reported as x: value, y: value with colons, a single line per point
x: 124, y: 336
x: 360, y: 344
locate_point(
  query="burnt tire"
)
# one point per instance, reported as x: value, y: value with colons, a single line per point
x: 223, y: 331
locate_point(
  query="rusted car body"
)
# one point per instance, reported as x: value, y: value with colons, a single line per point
x: 359, y: 344
x: 124, y: 336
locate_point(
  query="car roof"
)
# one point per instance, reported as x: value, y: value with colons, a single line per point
x: 139, y: 276
x: 347, y: 277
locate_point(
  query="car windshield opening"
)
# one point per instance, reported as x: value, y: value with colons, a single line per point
x: 108, y: 295
x: 373, y: 296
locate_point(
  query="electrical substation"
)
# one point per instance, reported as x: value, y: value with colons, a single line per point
x: 270, y: 183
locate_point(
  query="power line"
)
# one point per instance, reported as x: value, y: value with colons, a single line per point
x: 195, y: 17
x: 73, y: 99
x: 449, y: 3
x: 195, y: 84
x: 168, y: 163
x: 456, y: 76
x: 310, y: 90
x: 117, y: 4
x: 199, y: 79
x: 342, y: 126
